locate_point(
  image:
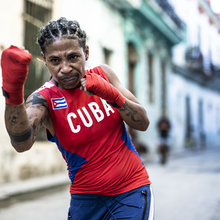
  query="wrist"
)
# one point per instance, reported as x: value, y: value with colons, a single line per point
x: 105, y: 90
x: 13, y: 97
x: 119, y: 101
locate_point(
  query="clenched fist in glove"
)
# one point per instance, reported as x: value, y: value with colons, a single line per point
x: 14, y: 63
x: 103, y: 89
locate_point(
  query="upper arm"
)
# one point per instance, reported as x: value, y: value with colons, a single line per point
x: 36, y: 99
x: 38, y: 113
x: 113, y: 79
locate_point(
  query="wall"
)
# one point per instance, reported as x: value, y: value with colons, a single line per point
x: 105, y: 28
x: 181, y: 87
x: 43, y: 158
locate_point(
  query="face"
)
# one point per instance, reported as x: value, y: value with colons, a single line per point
x: 65, y: 59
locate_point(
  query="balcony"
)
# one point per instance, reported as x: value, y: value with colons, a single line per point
x: 168, y: 9
x: 200, y: 69
x: 194, y: 59
x: 197, y: 62
x: 151, y: 16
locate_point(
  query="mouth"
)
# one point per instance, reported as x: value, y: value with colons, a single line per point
x: 69, y: 79
x: 69, y: 82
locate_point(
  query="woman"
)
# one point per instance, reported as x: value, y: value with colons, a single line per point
x: 83, y: 111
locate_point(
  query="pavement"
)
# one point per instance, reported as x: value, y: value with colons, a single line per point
x: 20, y: 190
x: 15, y: 191
x: 187, y: 187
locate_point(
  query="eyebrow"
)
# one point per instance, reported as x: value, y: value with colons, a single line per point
x: 71, y: 54
x: 51, y: 57
x: 74, y: 53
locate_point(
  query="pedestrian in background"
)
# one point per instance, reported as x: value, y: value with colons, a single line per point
x: 163, y: 127
x: 83, y: 110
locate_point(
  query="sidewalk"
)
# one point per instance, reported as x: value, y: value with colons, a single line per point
x: 186, y: 152
x: 21, y: 190
x: 12, y: 192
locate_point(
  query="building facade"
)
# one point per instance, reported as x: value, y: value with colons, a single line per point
x: 194, y: 85
x: 135, y: 37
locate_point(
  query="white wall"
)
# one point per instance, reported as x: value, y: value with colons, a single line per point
x: 106, y: 32
x: 103, y: 28
x: 179, y: 87
x: 11, y: 27
x: 44, y: 157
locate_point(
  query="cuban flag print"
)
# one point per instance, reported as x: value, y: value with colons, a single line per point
x: 59, y: 103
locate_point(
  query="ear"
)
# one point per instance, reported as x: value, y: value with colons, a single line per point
x: 87, y: 52
x: 44, y: 58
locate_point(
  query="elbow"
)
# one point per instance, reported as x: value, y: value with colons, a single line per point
x: 20, y: 148
x: 145, y: 122
x: 145, y: 125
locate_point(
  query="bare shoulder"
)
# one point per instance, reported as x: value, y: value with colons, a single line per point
x: 113, y: 79
x: 36, y: 104
x: 37, y: 108
x: 36, y: 99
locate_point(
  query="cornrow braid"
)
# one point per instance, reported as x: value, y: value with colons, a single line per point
x: 54, y: 28
x: 61, y: 28
x: 63, y: 25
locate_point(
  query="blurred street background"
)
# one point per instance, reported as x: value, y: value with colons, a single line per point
x: 187, y: 187
x: 167, y: 53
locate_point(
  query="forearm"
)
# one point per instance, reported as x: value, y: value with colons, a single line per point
x: 131, y: 111
x: 18, y: 127
x: 14, y: 64
x: 134, y: 115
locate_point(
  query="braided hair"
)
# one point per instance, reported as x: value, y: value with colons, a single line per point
x: 61, y: 28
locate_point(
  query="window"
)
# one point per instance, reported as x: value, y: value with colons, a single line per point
x: 150, y: 78
x: 107, y: 55
x: 36, y: 14
x: 200, y: 113
x: 163, y: 86
x: 188, y: 118
x: 132, y: 61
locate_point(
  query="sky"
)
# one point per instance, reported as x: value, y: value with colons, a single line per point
x: 215, y: 4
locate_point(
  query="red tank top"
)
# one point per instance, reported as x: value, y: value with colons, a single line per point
x: 93, y: 140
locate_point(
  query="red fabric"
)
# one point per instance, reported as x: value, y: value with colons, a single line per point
x: 104, y: 89
x: 14, y: 63
x: 92, y: 138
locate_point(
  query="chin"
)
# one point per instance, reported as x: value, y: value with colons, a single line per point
x: 71, y: 86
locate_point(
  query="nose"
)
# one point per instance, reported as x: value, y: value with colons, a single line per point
x: 65, y: 67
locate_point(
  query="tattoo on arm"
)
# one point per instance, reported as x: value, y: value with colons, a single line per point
x: 131, y: 112
x: 32, y: 116
x: 35, y: 126
x: 13, y: 116
x: 36, y: 99
x: 35, y: 129
x: 22, y: 137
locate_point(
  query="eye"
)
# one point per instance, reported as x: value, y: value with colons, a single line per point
x: 73, y: 57
x: 54, y: 61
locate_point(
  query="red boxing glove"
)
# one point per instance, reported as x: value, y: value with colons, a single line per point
x: 14, y: 63
x: 105, y: 90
